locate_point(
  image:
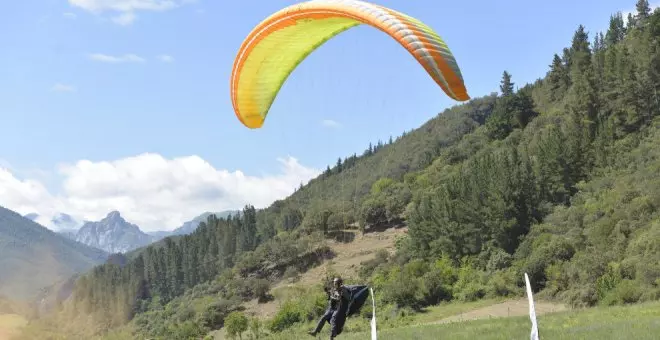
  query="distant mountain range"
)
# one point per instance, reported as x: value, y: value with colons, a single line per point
x: 33, y: 257
x: 114, y: 234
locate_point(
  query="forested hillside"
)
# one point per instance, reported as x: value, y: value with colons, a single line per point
x: 557, y: 179
x: 335, y: 198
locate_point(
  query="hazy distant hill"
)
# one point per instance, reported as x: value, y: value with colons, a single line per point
x: 33, y: 257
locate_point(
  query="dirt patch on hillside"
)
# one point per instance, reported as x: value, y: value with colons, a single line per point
x: 511, y: 308
x: 350, y: 255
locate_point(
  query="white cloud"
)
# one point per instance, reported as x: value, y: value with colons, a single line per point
x: 126, y: 58
x: 124, y: 19
x: 330, y: 123
x: 70, y: 15
x: 125, y: 9
x: 98, y: 6
x: 166, y: 58
x: 149, y: 190
x: 63, y: 88
x: 22, y: 196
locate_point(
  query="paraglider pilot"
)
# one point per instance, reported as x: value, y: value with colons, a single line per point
x: 338, y: 302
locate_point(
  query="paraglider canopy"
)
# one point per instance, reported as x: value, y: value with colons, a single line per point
x: 359, y: 294
x: 279, y: 43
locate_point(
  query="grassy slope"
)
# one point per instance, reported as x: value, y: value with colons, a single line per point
x: 10, y: 325
x: 348, y: 260
x: 363, y: 248
x: 12, y: 319
x: 629, y: 322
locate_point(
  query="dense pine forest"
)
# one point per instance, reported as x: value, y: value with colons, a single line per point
x: 558, y: 179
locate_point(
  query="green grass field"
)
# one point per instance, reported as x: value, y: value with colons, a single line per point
x: 639, y: 322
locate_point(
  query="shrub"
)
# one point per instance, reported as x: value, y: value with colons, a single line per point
x: 626, y: 292
x: 292, y: 273
x: 236, y: 323
x: 255, y: 328
x: 288, y: 315
x: 260, y: 288
x: 214, y: 315
x: 186, y: 330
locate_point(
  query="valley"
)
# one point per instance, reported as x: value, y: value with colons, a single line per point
x: 556, y: 179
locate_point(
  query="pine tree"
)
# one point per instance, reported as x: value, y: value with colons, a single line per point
x: 580, y: 43
x: 631, y: 112
x: 499, y: 123
x: 566, y: 58
x: 249, y: 229
x: 558, y: 80
x: 616, y: 31
x: 596, y: 45
x: 631, y: 22
x: 506, y: 86
x: 599, y: 62
x: 523, y: 110
x: 643, y: 9
x: 583, y: 96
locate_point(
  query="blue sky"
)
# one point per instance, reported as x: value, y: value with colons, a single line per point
x: 170, y: 96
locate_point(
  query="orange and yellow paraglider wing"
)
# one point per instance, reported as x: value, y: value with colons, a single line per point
x: 431, y: 52
x: 279, y: 43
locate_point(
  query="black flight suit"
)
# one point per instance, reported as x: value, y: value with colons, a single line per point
x: 335, y: 315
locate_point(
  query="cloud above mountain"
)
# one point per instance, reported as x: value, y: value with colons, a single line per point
x: 150, y: 190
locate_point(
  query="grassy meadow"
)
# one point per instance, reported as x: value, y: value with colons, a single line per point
x: 640, y: 322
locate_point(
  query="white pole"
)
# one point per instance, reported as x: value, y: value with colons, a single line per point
x: 374, y: 336
x: 532, y: 311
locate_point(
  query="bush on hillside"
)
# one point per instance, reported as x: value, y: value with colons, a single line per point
x: 236, y: 324
x: 213, y: 316
x: 288, y: 315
